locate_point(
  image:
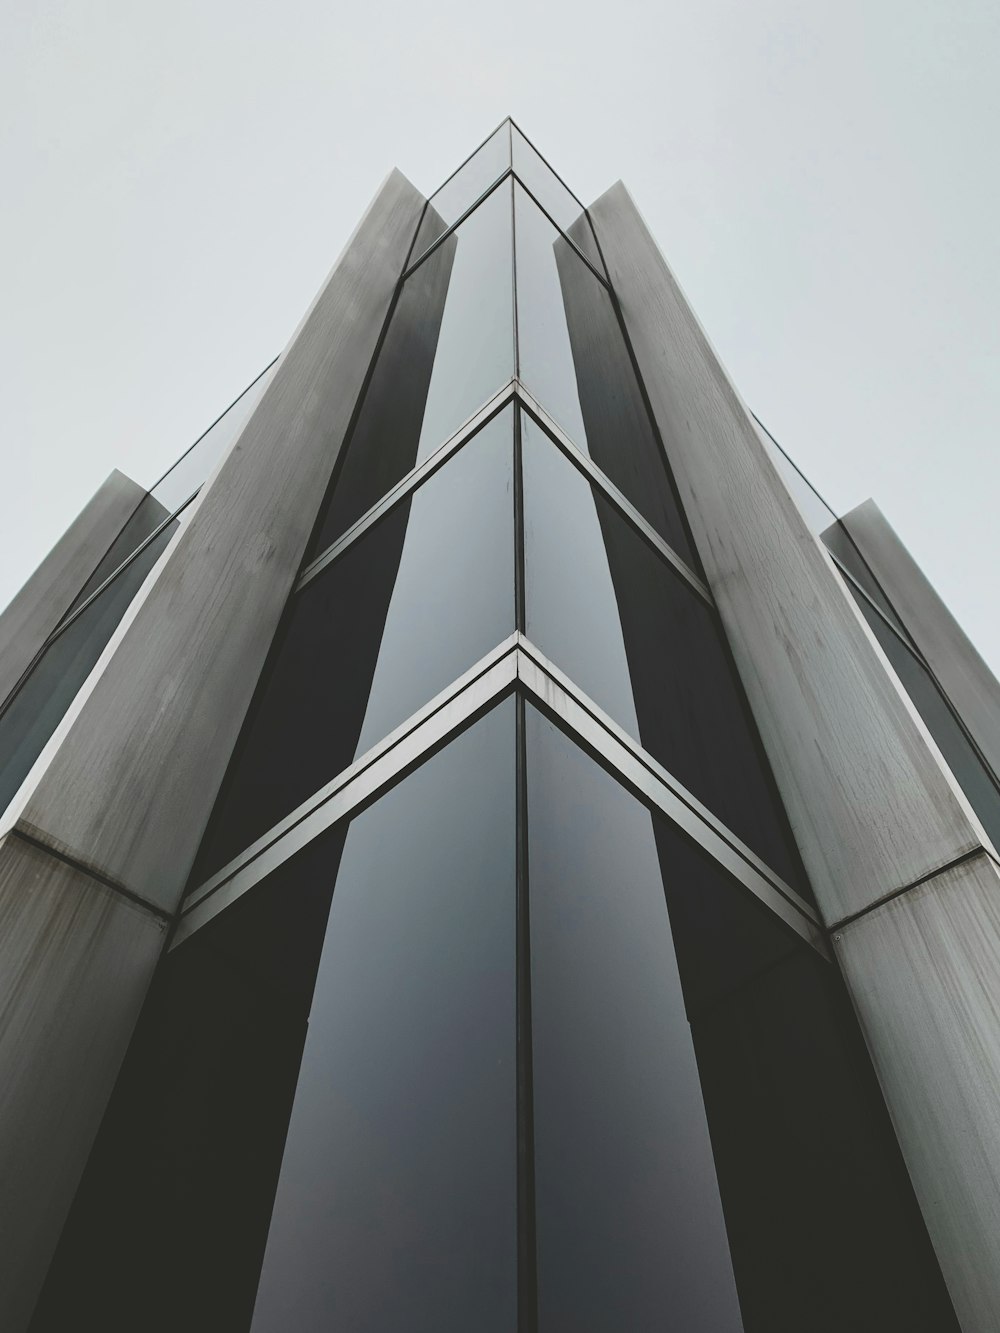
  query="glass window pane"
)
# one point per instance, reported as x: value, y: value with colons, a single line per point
x: 462, y: 189
x: 394, y: 620
x: 41, y: 701
x: 545, y: 355
x: 630, y: 1230
x: 573, y: 358
x: 556, y: 198
x: 824, y: 524
x: 668, y: 1005
x: 823, y: 1227
x: 837, y: 540
x: 194, y: 467
x: 813, y: 508
x: 959, y: 753
x: 382, y: 447
x: 145, y: 519
x: 395, y: 1207
x: 183, y: 1172
x: 449, y: 347
x: 610, y: 613
x: 475, y: 348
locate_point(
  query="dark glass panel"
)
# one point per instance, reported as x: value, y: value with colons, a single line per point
x: 462, y: 189
x: 630, y: 1231
x: 839, y: 542
x: 544, y: 352
x: 401, y: 614
x: 820, y: 1220
x: 194, y: 467
x: 395, y: 1206
x: 475, y: 349
x: 573, y: 358
x: 38, y: 706
x: 814, y: 509
x: 448, y: 348
x: 557, y: 200
x: 383, y: 444
x: 169, y: 1225
x: 959, y: 753
x: 824, y: 1231
x: 402, y: 1134
x: 147, y: 516
x: 611, y: 614
x: 824, y: 524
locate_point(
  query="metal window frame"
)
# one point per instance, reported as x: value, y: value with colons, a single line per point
x: 901, y: 635
x: 515, y: 664
x: 512, y: 392
x: 511, y: 174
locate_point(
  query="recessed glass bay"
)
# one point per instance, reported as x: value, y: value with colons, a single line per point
x: 610, y: 612
x: 448, y: 348
x: 395, y: 619
x: 573, y: 358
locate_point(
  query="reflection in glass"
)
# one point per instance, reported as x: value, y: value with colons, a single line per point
x: 448, y: 349
x: 635, y: 935
x: 395, y: 1206
x: 182, y: 1176
x: 573, y: 358
x: 41, y: 700
x: 462, y: 189
x: 838, y: 541
x: 823, y: 1228
x: 557, y: 200
x: 475, y: 349
x: 959, y: 753
x: 382, y: 446
x: 813, y: 508
x: 194, y: 467
x: 147, y: 516
x: 629, y: 1224
x: 400, y: 615
x: 544, y: 354
x: 358, y: 1059
x: 607, y: 610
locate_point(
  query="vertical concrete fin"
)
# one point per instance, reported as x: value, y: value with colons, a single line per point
x: 871, y: 809
x: 126, y: 785
x: 964, y: 676
x: 871, y: 802
x: 100, y: 838
x: 50, y: 591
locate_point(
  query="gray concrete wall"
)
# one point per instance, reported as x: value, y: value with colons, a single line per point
x: 948, y: 651
x: 876, y: 814
x: 114, y: 808
x: 51, y: 590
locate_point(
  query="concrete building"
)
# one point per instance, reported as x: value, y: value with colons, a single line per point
x: 485, y: 848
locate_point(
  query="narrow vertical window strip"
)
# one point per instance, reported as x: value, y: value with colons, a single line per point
x: 527, y: 1278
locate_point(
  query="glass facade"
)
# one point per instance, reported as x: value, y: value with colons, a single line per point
x: 959, y: 750
x: 498, y: 1000
x: 34, y: 708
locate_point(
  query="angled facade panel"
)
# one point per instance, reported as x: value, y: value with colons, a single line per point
x: 504, y: 984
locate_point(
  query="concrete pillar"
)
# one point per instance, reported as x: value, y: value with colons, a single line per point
x: 963, y: 675
x: 97, y: 845
x: 902, y: 870
x: 51, y: 590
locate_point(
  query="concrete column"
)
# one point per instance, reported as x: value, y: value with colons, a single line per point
x: 963, y: 675
x: 902, y: 870
x: 97, y: 845
x: 51, y: 590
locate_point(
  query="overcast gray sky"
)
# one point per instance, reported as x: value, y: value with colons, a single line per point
x: 178, y: 179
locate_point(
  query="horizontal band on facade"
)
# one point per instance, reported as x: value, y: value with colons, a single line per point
x: 514, y: 664
x: 512, y: 392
